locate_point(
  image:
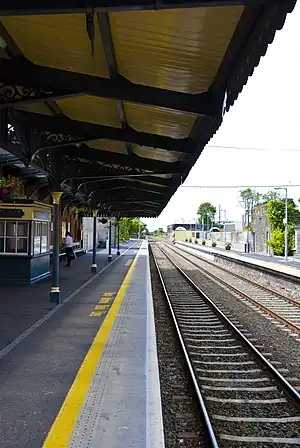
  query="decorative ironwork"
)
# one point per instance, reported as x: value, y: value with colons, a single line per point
x: 47, y: 139
x: 10, y: 93
x: 119, y: 88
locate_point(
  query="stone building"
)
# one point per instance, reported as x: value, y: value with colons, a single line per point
x: 260, y: 231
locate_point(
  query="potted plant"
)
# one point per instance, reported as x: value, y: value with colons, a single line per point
x: 228, y: 246
x: 190, y: 240
x: 203, y: 242
x: 214, y: 244
x: 196, y: 241
x: 10, y: 187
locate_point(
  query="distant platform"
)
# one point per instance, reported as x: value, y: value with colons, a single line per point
x: 273, y: 264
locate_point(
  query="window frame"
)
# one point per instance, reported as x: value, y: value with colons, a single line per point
x: 15, y: 237
x: 40, y: 225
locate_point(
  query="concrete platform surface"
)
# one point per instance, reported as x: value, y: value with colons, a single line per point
x: 39, y: 370
x: 22, y: 306
x: 276, y: 264
x: 115, y: 399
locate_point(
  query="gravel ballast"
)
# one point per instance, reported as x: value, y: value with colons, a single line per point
x: 282, y: 285
x: 219, y: 352
x: 281, y: 344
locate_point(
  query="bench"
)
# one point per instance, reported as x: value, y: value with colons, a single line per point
x: 78, y: 251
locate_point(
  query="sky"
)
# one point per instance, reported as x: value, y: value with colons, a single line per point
x: 266, y: 116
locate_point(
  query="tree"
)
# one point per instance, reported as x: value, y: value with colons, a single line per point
x: 249, y: 199
x: 276, y: 213
x: 276, y: 216
x: 271, y: 196
x: 128, y: 227
x: 206, y: 213
x: 159, y: 232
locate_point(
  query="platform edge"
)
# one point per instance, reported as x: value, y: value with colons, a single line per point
x: 154, y: 423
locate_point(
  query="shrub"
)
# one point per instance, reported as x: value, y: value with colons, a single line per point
x: 277, y: 241
x: 203, y: 242
x: 196, y: 241
x: 186, y: 240
x: 228, y: 246
x: 214, y: 244
x: 190, y: 240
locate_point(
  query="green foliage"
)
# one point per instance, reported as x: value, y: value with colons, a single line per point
x: 128, y: 227
x: 249, y: 198
x: 159, y: 233
x: 276, y: 213
x: 214, y: 244
x: 277, y: 241
x: 228, y: 246
x: 271, y: 196
x: 206, y: 212
x: 276, y: 216
x: 203, y: 242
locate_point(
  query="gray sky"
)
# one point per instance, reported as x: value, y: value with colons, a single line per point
x: 266, y: 115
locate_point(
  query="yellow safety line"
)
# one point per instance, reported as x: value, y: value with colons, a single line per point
x: 61, y: 431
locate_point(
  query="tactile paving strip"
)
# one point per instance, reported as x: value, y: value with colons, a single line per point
x: 117, y: 398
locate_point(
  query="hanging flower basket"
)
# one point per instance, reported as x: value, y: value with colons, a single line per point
x: 10, y: 187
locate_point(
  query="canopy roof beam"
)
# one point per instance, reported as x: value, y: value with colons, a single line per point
x: 19, y: 7
x: 51, y: 83
x: 53, y: 132
x: 115, y: 160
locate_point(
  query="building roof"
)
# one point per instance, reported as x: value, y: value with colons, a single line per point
x: 117, y: 101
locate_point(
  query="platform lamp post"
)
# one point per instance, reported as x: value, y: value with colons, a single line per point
x: 285, y: 222
x: 109, y: 241
x: 94, y: 264
x: 55, y: 291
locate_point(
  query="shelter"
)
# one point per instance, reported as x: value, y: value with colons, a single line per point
x: 113, y: 102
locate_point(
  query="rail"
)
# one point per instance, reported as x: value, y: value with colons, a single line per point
x: 199, y: 322
x: 292, y: 306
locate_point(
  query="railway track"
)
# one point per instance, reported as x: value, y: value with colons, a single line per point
x: 244, y: 399
x: 281, y: 308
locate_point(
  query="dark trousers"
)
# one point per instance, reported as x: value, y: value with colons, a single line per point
x: 69, y: 255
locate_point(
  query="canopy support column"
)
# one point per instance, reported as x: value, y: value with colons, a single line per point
x: 55, y: 291
x: 94, y: 264
x: 109, y: 242
x: 118, y: 240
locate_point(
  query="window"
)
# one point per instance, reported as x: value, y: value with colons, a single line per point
x: 14, y: 237
x: 41, y: 237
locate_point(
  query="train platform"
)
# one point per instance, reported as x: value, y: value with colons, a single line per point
x: 272, y: 263
x: 21, y: 306
x: 87, y: 376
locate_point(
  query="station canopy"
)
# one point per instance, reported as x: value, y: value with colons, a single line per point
x: 113, y: 101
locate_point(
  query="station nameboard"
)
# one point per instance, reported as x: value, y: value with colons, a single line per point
x: 11, y: 213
